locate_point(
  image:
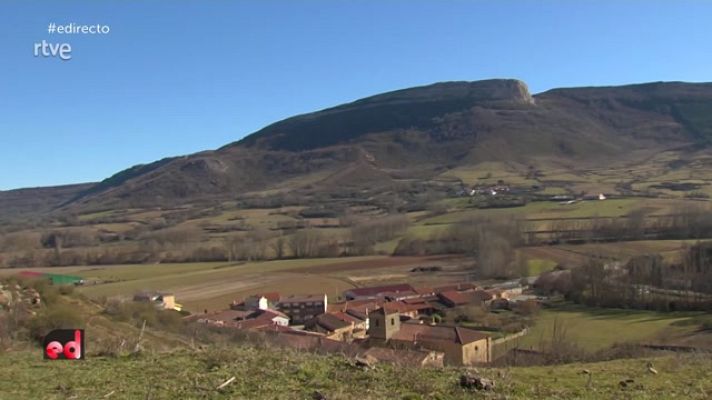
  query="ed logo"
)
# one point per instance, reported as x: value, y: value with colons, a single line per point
x: 64, y: 344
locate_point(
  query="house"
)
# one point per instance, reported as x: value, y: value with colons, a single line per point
x: 261, y: 301
x: 425, y: 291
x: 357, y: 319
x: 274, y: 316
x: 402, y: 308
x: 505, y: 292
x: 452, y: 298
x: 221, y: 318
x: 331, y: 326
x: 362, y: 306
x: 303, y: 308
x: 461, y: 346
x: 244, y: 319
x: 423, y: 305
x: 165, y: 301
x: 391, y: 292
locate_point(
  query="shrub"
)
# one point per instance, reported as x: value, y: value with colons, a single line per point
x: 55, y: 317
x: 137, y: 312
x: 66, y: 290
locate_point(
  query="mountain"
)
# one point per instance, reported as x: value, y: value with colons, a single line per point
x: 18, y: 202
x: 420, y: 133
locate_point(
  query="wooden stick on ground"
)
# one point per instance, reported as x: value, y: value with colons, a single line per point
x: 227, y: 382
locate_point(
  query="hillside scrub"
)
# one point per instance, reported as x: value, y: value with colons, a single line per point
x: 23, y: 320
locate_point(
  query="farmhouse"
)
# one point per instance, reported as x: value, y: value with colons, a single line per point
x: 165, y: 301
x: 461, y: 346
x: 454, y: 298
x: 244, y: 319
x: 262, y: 301
x: 331, y: 326
x: 303, y: 308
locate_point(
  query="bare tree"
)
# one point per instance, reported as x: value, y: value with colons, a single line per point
x: 305, y: 243
x: 279, y: 247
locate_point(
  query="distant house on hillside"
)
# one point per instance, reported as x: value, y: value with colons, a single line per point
x: 261, y: 301
x: 244, y: 319
x: 462, y: 346
x: 304, y: 307
x: 166, y: 301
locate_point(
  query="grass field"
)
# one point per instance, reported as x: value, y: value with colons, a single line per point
x: 597, y: 329
x: 539, y: 266
x: 279, y: 374
x: 213, y: 285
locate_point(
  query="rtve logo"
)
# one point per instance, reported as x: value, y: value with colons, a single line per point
x: 64, y: 344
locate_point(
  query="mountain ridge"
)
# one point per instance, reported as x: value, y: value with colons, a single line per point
x: 420, y: 132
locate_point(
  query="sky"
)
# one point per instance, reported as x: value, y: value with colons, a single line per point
x: 177, y: 77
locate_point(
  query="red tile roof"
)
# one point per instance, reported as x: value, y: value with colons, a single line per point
x: 458, y: 298
x: 424, y: 290
x: 225, y: 316
x: 455, y: 286
x: 416, y: 332
x: 328, y: 322
x: 399, y: 307
x: 270, y: 314
x: 359, y: 305
x: 347, y: 317
x: 272, y: 297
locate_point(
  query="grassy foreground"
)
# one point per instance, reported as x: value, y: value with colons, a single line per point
x: 274, y: 374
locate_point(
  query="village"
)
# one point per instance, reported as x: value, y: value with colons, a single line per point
x: 393, y: 323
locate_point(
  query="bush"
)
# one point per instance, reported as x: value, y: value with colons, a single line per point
x: 527, y: 308
x: 66, y: 290
x: 138, y: 312
x: 55, y: 317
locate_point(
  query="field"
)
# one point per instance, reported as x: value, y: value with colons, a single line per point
x: 597, y: 329
x: 284, y: 374
x: 212, y: 286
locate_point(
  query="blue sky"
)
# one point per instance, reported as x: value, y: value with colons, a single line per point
x: 176, y: 77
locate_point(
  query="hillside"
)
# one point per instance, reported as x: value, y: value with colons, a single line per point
x: 278, y: 374
x: 422, y: 134
x: 14, y: 203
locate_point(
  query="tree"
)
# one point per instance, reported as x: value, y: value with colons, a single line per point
x: 279, y: 246
x: 305, y: 243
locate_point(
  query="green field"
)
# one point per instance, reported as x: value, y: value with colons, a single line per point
x: 539, y: 266
x: 597, y: 329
